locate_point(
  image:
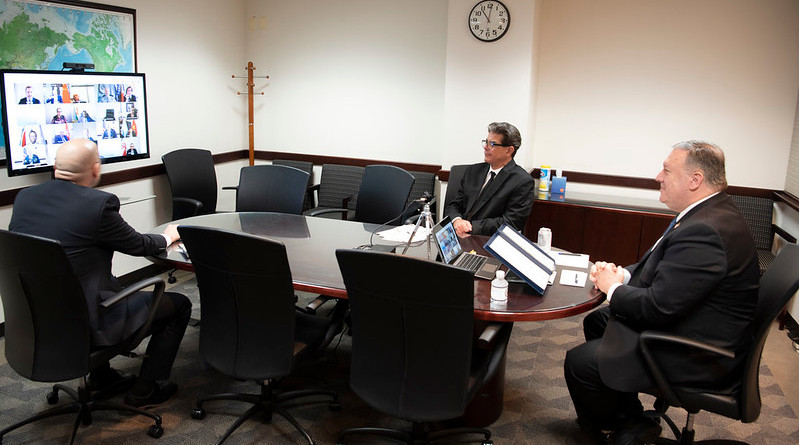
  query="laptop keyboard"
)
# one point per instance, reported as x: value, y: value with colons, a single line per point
x: 470, y: 261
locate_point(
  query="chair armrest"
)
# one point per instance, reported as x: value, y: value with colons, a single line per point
x: 324, y: 211
x: 158, y: 292
x: 649, y: 339
x: 185, y: 206
x: 489, y: 334
x: 495, y: 339
x: 314, y: 305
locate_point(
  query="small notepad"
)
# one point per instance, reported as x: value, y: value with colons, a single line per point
x: 573, y: 278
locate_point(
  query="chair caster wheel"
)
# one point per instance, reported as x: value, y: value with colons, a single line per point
x: 335, y: 406
x: 52, y: 397
x: 171, y: 279
x: 198, y: 413
x: 155, y: 431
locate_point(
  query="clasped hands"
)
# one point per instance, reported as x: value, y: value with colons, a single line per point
x: 604, y: 274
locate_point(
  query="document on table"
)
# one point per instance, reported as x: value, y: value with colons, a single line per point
x: 573, y: 278
x: 572, y: 259
x: 402, y: 233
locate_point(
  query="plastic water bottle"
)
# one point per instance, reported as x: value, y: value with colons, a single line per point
x: 500, y: 286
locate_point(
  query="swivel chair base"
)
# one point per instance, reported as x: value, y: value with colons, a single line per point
x: 684, y: 436
x: 266, y: 402
x: 84, y: 404
x: 418, y: 435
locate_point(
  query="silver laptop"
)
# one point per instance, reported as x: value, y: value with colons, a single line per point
x: 451, y: 252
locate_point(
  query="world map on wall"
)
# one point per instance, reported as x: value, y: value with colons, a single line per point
x: 40, y: 36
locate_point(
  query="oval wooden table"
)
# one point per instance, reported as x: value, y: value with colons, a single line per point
x: 311, y: 243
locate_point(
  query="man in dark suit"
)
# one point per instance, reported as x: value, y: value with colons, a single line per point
x: 28, y: 99
x: 87, y: 223
x: 700, y: 280
x: 495, y: 191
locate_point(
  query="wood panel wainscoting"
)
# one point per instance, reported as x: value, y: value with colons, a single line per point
x: 599, y: 226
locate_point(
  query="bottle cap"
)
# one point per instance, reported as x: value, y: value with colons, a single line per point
x: 500, y: 274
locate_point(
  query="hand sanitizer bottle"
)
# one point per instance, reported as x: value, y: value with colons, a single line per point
x: 500, y: 286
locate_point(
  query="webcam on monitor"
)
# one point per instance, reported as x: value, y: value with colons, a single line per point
x: 77, y: 66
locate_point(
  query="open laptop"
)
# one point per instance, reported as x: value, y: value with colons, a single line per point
x: 450, y: 252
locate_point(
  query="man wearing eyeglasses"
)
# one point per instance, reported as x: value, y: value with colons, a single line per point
x: 495, y: 191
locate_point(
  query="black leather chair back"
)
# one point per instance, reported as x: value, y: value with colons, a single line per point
x: 191, y: 174
x: 246, y: 302
x: 383, y: 194
x: 777, y: 286
x: 271, y: 188
x: 454, y: 182
x: 424, y: 182
x: 307, y: 167
x: 46, y: 321
x: 412, y: 323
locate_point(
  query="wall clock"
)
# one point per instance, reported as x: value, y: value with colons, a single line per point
x: 488, y: 21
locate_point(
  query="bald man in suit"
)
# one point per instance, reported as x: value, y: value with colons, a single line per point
x: 700, y: 280
x: 495, y: 191
x: 87, y: 223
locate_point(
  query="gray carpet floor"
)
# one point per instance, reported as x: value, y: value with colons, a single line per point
x: 537, y: 407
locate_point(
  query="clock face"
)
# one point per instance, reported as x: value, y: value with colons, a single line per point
x: 489, y: 20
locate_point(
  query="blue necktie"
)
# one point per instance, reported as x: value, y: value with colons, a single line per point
x: 669, y: 227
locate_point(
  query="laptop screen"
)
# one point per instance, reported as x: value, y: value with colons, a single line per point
x: 446, y: 238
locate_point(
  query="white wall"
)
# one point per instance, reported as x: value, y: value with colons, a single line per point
x: 621, y: 81
x: 487, y: 82
x: 360, y: 78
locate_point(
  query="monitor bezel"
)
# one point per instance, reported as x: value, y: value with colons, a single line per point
x: 141, y: 104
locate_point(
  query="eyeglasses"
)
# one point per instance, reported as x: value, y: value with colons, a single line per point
x: 492, y: 144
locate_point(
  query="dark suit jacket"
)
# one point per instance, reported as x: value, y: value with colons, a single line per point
x: 87, y: 223
x: 24, y: 101
x: 507, y: 199
x: 701, y: 282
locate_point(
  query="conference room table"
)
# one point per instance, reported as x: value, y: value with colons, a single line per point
x: 311, y: 243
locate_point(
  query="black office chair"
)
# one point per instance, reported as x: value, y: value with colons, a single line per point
x: 743, y: 401
x: 337, y: 188
x: 250, y: 328
x: 47, y: 331
x: 381, y: 196
x: 307, y: 167
x: 193, y: 182
x: 757, y: 212
x: 424, y: 184
x: 271, y: 188
x: 454, y: 182
x: 413, y: 354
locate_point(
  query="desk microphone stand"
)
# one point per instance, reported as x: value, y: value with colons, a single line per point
x: 425, y: 215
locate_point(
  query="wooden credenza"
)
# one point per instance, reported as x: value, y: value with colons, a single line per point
x: 613, y: 229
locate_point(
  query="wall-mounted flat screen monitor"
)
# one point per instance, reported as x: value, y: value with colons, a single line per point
x: 44, y: 109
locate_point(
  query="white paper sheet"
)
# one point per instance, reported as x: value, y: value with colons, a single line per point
x: 401, y: 233
x: 573, y: 278
x: 580, y: 260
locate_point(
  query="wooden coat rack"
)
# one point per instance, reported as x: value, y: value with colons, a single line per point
x: 250, y: 84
